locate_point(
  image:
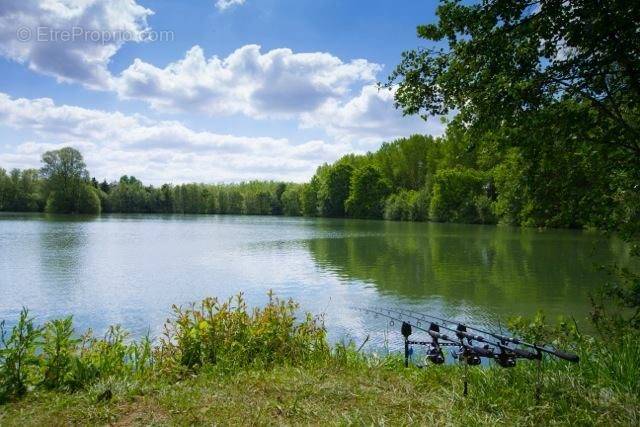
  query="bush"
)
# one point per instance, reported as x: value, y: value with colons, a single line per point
x: 18, y: 361
x: 59, y: 349
x: 460, y: 195
x: 228, y: 334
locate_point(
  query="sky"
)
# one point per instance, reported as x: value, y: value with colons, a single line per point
x: 203, y: 90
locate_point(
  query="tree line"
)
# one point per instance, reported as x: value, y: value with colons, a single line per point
x: 63, y: 185
x: 451, y: 178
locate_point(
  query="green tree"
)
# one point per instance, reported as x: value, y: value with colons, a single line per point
x: 459, y: 195
x: 89, y: 202
x: 367, y: 193
x: 129, y: 195
x: 292, y: 200
x: 66, y: 177
x: 309, y: 197
x: 407, y: 205
x: 562, y: 71
x: 404, y: 162
x: 504, y: 60
x: 276, y: 202
x: 333, y: 190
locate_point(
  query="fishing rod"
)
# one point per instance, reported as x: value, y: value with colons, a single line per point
x: 468, y: 353
x: 507, y: 356
x: 472, y: 354
x: 502, y: 338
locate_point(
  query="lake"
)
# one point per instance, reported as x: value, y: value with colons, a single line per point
x: 130, y: 269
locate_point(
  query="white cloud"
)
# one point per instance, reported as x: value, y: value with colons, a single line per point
x: 368, y: 119
x: 156, y: 151
x: 317, y: 89
x: 278, y: 83
x: 225, y: 4
x: 72, y: 40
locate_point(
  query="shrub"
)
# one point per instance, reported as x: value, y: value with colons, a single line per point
x: 18, y: 361
x: 228, y: 334
x: 59, y: 349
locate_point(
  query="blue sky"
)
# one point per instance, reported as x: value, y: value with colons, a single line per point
x: 232, y: 90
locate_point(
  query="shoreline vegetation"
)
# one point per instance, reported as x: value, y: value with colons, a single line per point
x: 222, y: 362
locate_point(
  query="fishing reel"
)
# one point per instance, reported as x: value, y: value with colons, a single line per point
x: 466, y: 355
x: 435, y: 355
x: 472, y: 360
x: 506, y: 360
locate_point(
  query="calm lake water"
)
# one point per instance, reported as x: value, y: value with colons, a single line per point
x: 130, y: 269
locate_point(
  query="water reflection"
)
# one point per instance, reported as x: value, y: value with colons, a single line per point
x: 503, y: 270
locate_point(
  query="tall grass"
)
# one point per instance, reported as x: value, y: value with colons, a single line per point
x: 223, y: 333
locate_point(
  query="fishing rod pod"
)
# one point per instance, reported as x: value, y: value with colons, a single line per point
x: 466, y: 352
x: 471, y: 354
x: 504, y: 340
x: 507, y: 356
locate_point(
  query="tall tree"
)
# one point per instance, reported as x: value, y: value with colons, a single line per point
x: 367, y: 194
x: 333, y: 191
x: 66, y: 176
x: 545, y: 72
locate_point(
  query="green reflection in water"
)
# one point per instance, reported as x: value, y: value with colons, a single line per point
x: 505, y: 271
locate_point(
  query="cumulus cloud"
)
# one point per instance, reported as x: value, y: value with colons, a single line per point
x: 226, y: 4
x: 155, y: 151
x: 278, y: 83
x: 368, y: 118
x: 72, y: 40
x: 317, y: 89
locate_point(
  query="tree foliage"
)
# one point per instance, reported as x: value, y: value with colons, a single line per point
x: 333, y: 191
x: 367, y: 193
x: 67, y: 185
x: 460, y: 195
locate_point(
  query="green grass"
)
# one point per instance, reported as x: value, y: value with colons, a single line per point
x: 337, y: 393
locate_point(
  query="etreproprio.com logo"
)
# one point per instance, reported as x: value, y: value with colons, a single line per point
x: 80, y: 34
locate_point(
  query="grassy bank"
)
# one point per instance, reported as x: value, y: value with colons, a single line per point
x: 224, y: 364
